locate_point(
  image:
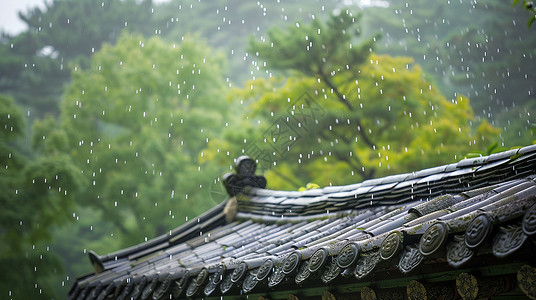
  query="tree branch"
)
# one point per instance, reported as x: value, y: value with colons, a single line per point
x: 355, y: 163
x: 344, y: 101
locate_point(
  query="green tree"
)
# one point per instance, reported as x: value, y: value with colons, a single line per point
x: 481, y: 49
x: 34, y: 79
x: 37, y: 194
x: 76, y: 29
x: 343, y: 114
x: 36, y: 64
x: 226, y: 26
x: 529, y: 6
x: 137, y: 120
x: 37, y: 190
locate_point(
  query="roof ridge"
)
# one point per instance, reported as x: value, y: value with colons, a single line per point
x: 467, y: 174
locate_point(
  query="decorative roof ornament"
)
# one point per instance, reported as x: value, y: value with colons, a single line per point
x: 303, y: 272
x: 529, y: 221
x: 214, y: 280
x: 509, y: 239
x: 331, y: 271
x: 226, y: 283
x: 366, y: 264
x: 245, y: 176
x: 276, y: 277
x: 411, y: 257
x: 457, y: 251
x: 250, y: 281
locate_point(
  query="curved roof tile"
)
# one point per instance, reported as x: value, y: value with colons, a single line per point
x: 446, y: 216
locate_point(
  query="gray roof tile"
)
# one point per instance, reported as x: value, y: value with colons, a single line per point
x: 396, y: 222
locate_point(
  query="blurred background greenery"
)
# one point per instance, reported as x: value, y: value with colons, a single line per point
x: 118, y: 118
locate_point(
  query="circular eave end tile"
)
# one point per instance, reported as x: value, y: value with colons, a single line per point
x: 201, y: 277
x: 433, y: 238
x: 291, y: 262
x: 391, y: 245
x: 265, y: 269
x: 318, y: 260
x: 478, y: 230
x: 239, y: 272
x: 348, y: 255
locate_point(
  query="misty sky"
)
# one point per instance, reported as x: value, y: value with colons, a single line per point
x: 9, y: 20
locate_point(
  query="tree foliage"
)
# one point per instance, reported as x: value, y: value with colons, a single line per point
x: 227, y: 26
x: 341, y: 116
x: 37, y: 191
x: 145, y: 131
x: 136, y: 122
x: 529, y: 6
x: 76, y: 29
x: 314, y: 49
x: 61, y: 34
x: 480, y: 49
x: 37, y: 194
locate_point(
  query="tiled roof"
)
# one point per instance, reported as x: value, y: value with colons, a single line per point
x: 465, y: 217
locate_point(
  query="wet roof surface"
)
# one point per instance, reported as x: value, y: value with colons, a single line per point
x: 263, y: 240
